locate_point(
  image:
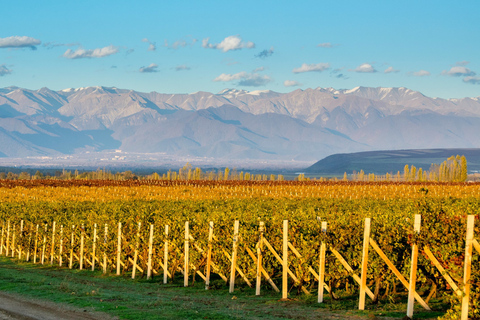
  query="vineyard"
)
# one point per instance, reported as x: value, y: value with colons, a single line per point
x: 355, y: 238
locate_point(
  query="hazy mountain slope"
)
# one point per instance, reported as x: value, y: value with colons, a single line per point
x: 380, y: 162
x: 302, y: 124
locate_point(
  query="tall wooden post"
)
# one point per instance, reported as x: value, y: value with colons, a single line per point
x: 60, y: 250
x: 150, y: 252
x: 30, y: 231
x: 94, y: 246
x: 321, y: 268
x: 467, y: 266
x: 8, y: 238
x: 82, y: 239
x: 413, y: 270
x: 234, y: 256
x: 12, y: 249
x: 44, y: 244
x: 259, y: 258
x: 209, y: 255
x: 35, y: 247
x: 165, y: 257
x: 119, y: 246
x: 285, y: 261
x: 3, y: 233
x: 363, y: 284
x: 186, y: 255
x: 105, y: 249
x: 72, y: 239
x: 20, y: 242
x: 135, y: 255
x: 52, y: 251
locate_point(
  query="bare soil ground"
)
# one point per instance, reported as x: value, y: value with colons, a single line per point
x: 17, y: 307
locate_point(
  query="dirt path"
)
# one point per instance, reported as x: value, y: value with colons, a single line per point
x: 17, y: 307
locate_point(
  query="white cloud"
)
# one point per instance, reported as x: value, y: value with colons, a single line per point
x: 462, y: 63
x: 150, y: 69
x: 182, y: 67
x: 19, y: 42
x: 365, y: 68
x: 391, y: 70
x: 319, y: 67
x: 229, y: 43
x: 180, y: 43
x: 4, y: 70
x: 152, y: 46
x: 246, y: 79
x: 291, y: 83
x: 472, y: 80
x: 327, y: 45
x: 259, y: 69
x: 95, y: 53
x: 421, y: 73
x: 458, y: 71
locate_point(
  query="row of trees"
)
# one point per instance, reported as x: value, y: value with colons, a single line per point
x: 454, y: 169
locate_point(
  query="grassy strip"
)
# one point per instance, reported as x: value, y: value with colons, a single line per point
x: 150, y: 299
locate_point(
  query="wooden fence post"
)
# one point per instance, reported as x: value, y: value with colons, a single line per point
x: 285, y: 261
x: 413, y: 270
x: 82, y: 239
x: 30, y: 231
x: 13, y: 241
x: 8, y: 238
x: 72, y: 240
x: 94, y: 246
x: 3, y: 233
x: 209, y: 255
x: 135, y: 255
x: 52, y: 251
x: 150, y: 252
x: 234, y: 256
x: 60, y: 250
x: 119, y: 246
x: 186, y: 255
x: 20, y: 244
x: 467, y: 266
x: 165, y: 257
x: 363, y: 285
x: 44, y: 244
x: 259, y: 258
x: 35, y: 247
x: 105, y: 249
x: 321, y: 268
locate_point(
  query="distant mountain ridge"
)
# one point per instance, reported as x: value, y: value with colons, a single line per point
x: 300, y: 125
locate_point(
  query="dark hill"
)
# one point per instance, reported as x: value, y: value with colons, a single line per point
x: 380, y: 162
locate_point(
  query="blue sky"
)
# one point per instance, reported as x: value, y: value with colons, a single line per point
x: 188, y: 46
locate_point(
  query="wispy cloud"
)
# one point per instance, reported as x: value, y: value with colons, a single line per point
x: 182, y: 67
x: 245, y: 79
x: 4, y: 70
x: 151, y: 45
x: 365, y: 68
x: 51, y: 45
x: 327, y: 45
x: 459, y: 71
x: 472, y: 80
x: 391, y: 70
x: 228, y: 44
x: 265, y: 53
x: 291, y: 83
x: 180, y: 43
x: 259, y: 69
x: 421, y: 73
x: 81, y: 53
x: 150, y: 69
x: 19, y: 42
x: 319, y: 67
x: 462, y: 63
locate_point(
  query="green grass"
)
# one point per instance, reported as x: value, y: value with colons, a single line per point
x: 151, y: 299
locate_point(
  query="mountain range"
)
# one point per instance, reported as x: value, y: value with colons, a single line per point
x: 305, y: 125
